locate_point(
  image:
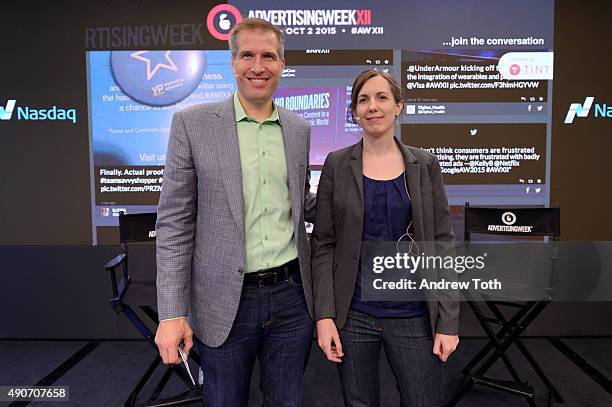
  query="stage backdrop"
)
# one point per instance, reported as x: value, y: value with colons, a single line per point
x: 87, y: 92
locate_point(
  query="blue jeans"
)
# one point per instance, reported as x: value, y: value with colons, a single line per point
x: 273, y: 325
x: 408, y: 346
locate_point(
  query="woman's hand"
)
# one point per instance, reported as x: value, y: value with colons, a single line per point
x: 329, y: 340
x: 444, y: 345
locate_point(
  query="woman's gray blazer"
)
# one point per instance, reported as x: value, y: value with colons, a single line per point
x: 336, y: 239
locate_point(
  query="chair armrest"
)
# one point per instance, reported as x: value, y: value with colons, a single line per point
x: 115, y: 262
x: 111, y: 267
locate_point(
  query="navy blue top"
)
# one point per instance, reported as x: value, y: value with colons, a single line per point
x: 386, y: 215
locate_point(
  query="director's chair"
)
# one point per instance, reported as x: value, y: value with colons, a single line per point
x: 133, y: 274
x: 544, y: 222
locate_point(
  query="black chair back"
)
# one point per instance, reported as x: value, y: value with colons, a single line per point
x: 137, y: 227
x: 137, y: 235
x: 512, y: 221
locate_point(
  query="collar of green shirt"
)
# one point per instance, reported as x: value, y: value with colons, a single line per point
x: 241, y: 114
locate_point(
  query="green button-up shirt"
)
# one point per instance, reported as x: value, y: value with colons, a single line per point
x: 268, y: 224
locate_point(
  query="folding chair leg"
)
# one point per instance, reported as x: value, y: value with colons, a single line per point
x: 494, y: 340
x: 534, y: 364
x: 466, y: 386
x: 533, y: 311
x: 151, y: 313
x: 137, y: 322
x: 131, y: 401
x: 496, y: 344
x: 469, y: 381
x: 161, y: 384
x: 536, y: 367
x: 487, y: 348
x: 516, y: 332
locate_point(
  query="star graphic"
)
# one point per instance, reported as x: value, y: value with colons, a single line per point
x: 150, y: 73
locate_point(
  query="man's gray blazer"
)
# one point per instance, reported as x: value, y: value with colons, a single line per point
x: 200, y: 218
x: 336, y: 239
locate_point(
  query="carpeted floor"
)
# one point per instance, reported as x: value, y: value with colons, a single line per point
x: 107, y: 373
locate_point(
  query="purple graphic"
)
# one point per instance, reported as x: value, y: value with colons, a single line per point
x: 325, y: 109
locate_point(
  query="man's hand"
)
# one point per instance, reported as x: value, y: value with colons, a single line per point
x: 444, y: 345
x: 170, y: 334
x: 329, y: 340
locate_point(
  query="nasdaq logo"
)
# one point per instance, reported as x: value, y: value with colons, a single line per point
x: 576, y: 109
x: 7, y: 112
x: 53, y: 113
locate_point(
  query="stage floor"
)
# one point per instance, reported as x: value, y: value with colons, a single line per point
x: 104, y: 373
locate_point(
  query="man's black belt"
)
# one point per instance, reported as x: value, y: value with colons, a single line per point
x: 271, y: 276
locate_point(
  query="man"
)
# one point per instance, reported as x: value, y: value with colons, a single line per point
x: 232, y: 250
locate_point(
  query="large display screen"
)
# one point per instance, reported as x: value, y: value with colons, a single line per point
x: 476, y: 78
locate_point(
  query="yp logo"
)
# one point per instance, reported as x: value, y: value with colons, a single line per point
x: 7, y: 111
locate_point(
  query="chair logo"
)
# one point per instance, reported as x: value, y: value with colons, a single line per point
x: 7, y: 112
x: 508, y: 218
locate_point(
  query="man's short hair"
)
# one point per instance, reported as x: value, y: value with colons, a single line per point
x: 255, y: 24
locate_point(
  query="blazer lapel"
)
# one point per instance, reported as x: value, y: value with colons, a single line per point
x: 289, y: 132
x: 413, y: 179
x: 229, y: 157
x: 357, y: 167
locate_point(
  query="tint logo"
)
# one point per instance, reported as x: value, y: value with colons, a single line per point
x: 582, y: 110
x: 54, y: 113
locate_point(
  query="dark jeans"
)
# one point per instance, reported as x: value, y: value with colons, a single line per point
x: 273, y: 325
x: 408, y: 346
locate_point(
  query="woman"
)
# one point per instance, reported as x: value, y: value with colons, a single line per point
x: 375, y: 190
